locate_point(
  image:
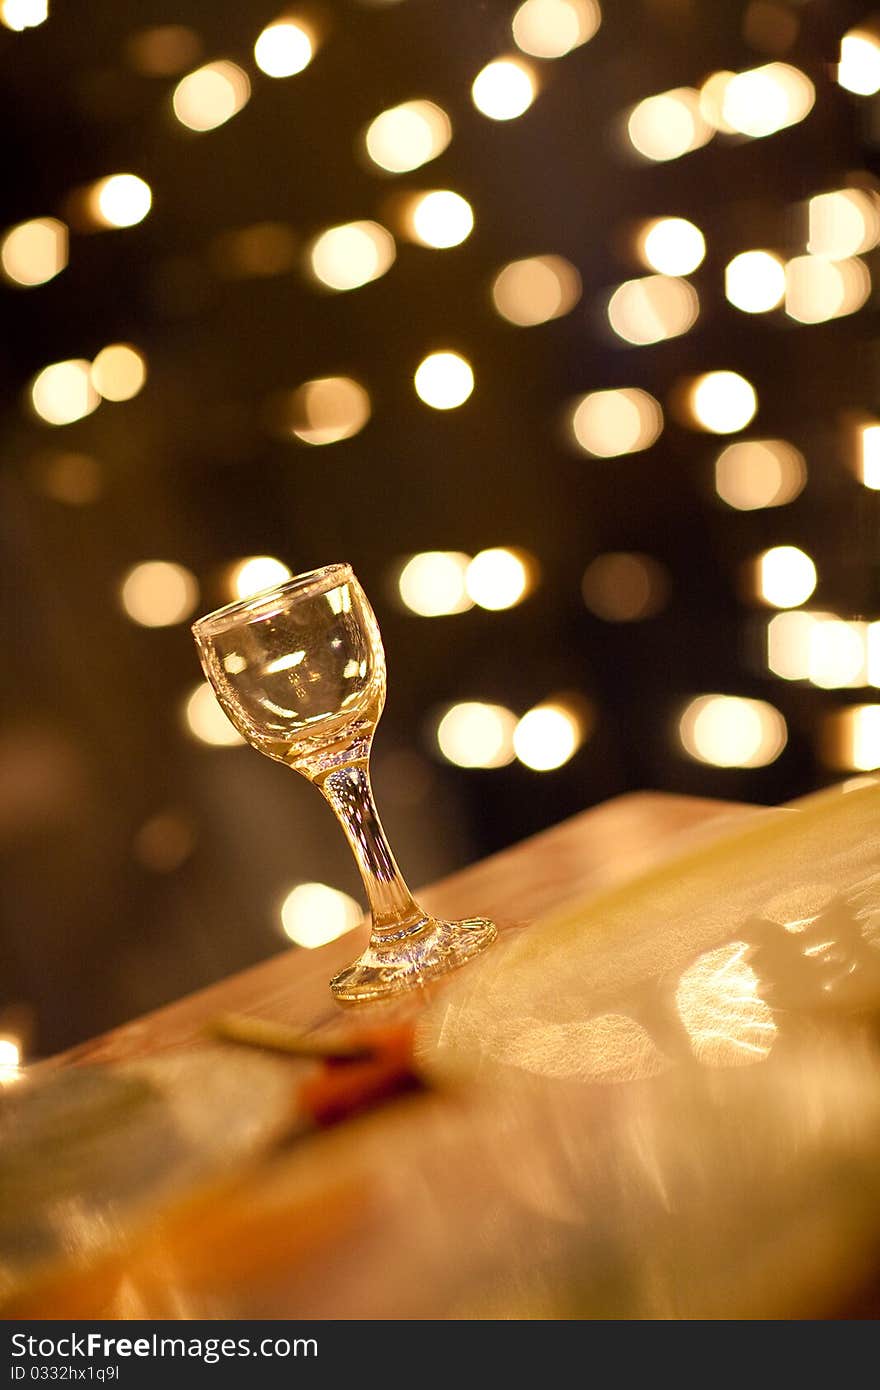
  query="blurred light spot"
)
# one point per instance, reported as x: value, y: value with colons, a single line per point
x: 118, y: 372
x: 722, y: 402
x: 74, y: 479
x: 712, y: 101
x: 291, y: 659
x: 434, y: 583
x: 10, y: 1050
x: 351, y: 255
x: 844, y: 223
x: 757, y: 473
x: 851, y: 738
x: 164, y: 50
x: 264, y: 248
x: 552, y: 28
x: 785, y: 576
x: 608, y: 423
x: 771, y: 28
x: 789, y: 641
x: 623, y: 587
x: 547, y: 737
x: 34, y: 252
x: 872, y: 653
x: 283, y: 49
x: 859, y: 67
x: 652, y: 309
x: 536, y: 290
x: 441, y: 219
x: 671, y: 245
x: 730, y: 731
x: 256, y: 573
x: 444, y: 380
x: 121, y: 200
x: 23, y: 14
x: 207, y: 721
x: 719, y: 1003
x: 326, y: 410
x: 504, y: 89
x: 63, y: 392
x: 211, y: 95
x: 472, y: 734
x: 407, y: 136
x: 754, y: 281
x: 838, y: 653
x: 499, y: 578
x: 164, y: 842
x: 763, y: 100
x: 158, y: 593
x: 869, y: 456
x: 314, y: 913
x: 817, y: 289
x: 668, y: 125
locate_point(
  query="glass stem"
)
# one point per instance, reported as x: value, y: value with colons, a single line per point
x: 393, y: 907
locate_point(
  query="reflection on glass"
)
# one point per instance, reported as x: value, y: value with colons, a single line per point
x: 317, y: 714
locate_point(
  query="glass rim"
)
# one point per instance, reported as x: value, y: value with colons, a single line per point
x: 316, y: 581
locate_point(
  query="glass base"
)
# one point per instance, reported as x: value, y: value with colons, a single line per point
x: 391, y: 966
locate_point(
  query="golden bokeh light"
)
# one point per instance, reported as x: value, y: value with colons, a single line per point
x: 159, y: 593
x: 473, y: 734
x: 74, y: 479
x: 548, y: 736
x: 763, y: 100
x: 504, y: 89
x: 407, y: 136
x: 163, y: 50
x: 434, y: 583
x: 784, y: 576
x: 284, y: 48
x: 499, y: 578
x: 210, y: 96
x: 859, y: 67
x: 625, y: 587
x: 63, y: 392
x: 536, y: 290
x: 610, y: 423
x: 844, y: 223
x: 754, y: 281
x: 732, y: 731
x: 206, y: 720
x: 325, y: 411
x: 19, y: 15
x: 789, y: 641
x: 719, y: 1003
x: 552, y: 28
x: 869, y: 455
x: 164, y: 842
x: 351, y: 255
x: 671, y: 245
x: 262, y: 249
x: 652, y: 309
x: 756, y: 473
x: 444, y: 380
x: 851, y: 738
x: 120, y: 200
x: 34, y: 252
x: 314, y: 913
x: 668, y: 125
x: 817, y: 289
x: 255, y: 573
x: 10, y: 1058
x: 711, y: 97
x: 119, y: 372
x: 837, y: 654
x: 722, y: 402
x: 440, y: 219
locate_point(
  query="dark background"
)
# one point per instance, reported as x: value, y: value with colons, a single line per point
x: 92, y: 745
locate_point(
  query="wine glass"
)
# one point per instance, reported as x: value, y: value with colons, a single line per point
x: 300, y: 671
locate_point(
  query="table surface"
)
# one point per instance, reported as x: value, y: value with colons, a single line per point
x: 450, y: 1203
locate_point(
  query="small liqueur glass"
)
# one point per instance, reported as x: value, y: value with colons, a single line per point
x: 300, y: 671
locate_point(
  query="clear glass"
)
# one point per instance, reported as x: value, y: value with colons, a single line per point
x: 300, y: 670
